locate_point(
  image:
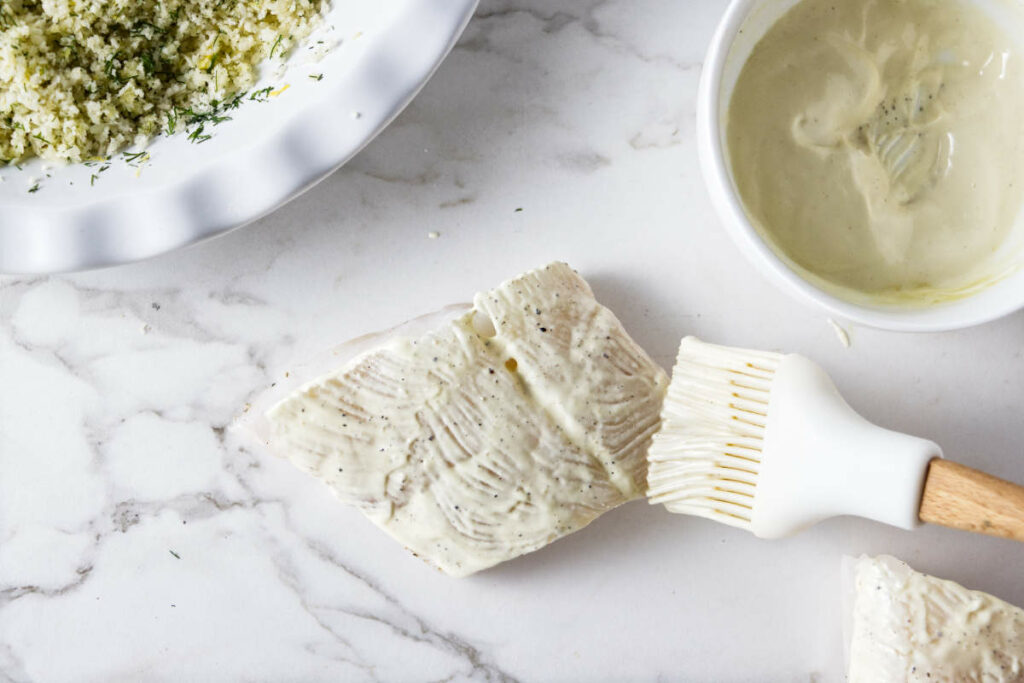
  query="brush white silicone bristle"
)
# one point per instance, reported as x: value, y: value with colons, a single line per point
x: 763, y: 441
x: 706, y: 457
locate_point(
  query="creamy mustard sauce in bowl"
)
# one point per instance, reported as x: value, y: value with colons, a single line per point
x: 877, y: 143
x: 869, y: 154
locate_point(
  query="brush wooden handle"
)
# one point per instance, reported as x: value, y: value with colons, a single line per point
x: 959, y: 497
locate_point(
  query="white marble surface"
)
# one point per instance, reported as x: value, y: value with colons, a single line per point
x: 138, y: 542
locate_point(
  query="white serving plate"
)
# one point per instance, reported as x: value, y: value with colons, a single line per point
x: 267, y: 154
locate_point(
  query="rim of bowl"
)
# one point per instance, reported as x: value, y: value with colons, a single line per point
x: 729, y: 206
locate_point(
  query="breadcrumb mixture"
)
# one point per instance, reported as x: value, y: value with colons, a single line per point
x: 81, y: 79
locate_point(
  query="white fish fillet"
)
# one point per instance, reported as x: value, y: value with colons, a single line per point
x: 517, y: 423
x: 908, y: 626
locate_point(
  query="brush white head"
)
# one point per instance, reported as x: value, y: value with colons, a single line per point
x: 706, y: 457
x: 764, y: 442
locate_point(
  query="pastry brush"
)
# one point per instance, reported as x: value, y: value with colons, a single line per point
x: 763, y: 441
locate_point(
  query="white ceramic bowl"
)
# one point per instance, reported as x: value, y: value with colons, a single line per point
x: 269, y: 153
x: 730, y: 48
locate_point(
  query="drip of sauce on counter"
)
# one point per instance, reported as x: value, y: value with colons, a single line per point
x: 878, y: 144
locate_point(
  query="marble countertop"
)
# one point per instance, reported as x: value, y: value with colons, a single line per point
x: 140, y: 542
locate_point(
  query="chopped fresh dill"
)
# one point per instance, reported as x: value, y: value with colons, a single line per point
x: 273, y: 48
x: 140, y: 26
x: 234, y: 102
x: 261, y: 95
x: 197, y: 136
x: 148, y: 65
x: 113, y: 68
x: 33, y: 189
x: 195, y: 121
x: 212, y: 57
x: 213, y: 62
x: 92, y: 179
x: 136, y: 158
x: 317, y: 77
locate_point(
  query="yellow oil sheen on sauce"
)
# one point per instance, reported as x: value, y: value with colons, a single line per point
x: 878, y: 144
